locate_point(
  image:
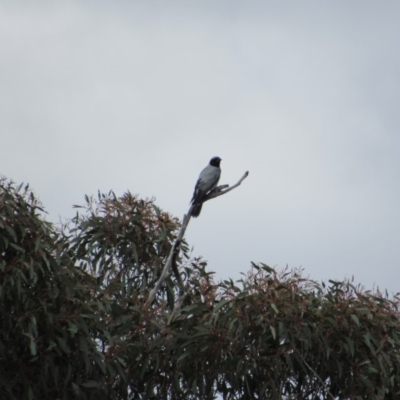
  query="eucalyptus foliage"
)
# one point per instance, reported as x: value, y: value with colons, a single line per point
x: 74, y: 324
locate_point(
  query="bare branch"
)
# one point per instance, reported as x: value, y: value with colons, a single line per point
x: 219, y: 191
x: 173, y: 254
x: 178, y: 304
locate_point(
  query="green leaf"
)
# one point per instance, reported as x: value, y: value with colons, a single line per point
x: 72, y: 328
x: 273, y: 306
x: 16, y: 247
x: 184, y: 355
x: 63, y: 345
x: 350, y: 343
x: 355, y: 319
x: 90, y: 384
x: 220, y: 304
x: 367, y: 341
x: 273, y: 332
x: 32, y: 346
x: 11, y: 232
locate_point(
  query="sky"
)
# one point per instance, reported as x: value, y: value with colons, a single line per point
x: 139, y: 95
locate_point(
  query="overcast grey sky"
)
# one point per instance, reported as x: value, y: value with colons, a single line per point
x: 139, y: 96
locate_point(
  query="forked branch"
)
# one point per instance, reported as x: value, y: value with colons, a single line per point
x: 219, y: 191
x: 224, y: 189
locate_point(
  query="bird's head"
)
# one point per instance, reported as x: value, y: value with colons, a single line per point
x: 215, y: 161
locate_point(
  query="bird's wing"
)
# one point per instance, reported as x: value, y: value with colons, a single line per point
x: 207, y: 181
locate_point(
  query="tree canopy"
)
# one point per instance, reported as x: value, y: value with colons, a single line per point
x: 74, y: 323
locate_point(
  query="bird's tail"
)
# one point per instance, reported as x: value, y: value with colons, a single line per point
x: 196, y: 209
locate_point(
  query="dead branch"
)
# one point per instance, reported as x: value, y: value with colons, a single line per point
x: 219, y: 191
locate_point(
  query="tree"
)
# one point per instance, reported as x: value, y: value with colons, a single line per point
x: 48, y: 322
x: 75, y: 321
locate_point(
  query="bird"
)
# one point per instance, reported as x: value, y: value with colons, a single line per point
x: 207, y: 182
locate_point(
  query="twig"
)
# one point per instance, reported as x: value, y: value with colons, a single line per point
x: 177, y: 244
x: 315, y: 373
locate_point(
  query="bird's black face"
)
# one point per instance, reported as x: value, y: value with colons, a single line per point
x: 215, y: 161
